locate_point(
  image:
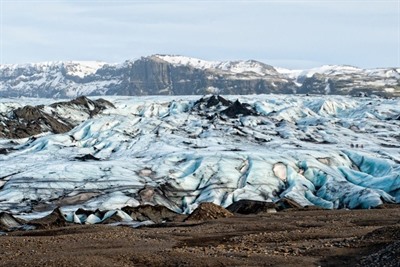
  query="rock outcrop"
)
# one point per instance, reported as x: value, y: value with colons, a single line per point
x: 32, y: 120
x: 245, y: 206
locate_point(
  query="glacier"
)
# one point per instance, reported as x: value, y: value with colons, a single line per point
x: 333, y: 152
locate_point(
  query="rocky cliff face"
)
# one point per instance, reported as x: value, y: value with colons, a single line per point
x: 175, y: 75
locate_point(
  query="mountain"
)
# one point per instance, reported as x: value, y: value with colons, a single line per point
x: 178, y: 75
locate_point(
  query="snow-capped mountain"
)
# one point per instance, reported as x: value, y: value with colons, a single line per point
x: 330, y: 151
x: 178, y: 75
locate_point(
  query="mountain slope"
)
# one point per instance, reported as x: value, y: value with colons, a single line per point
x: 177, y: 75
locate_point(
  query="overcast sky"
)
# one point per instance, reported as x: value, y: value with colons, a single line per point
x: 293, y: 34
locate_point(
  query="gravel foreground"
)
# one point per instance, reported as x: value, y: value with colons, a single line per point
x: 288, y: 238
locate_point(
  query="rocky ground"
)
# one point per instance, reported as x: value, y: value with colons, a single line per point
x: 293, y: 237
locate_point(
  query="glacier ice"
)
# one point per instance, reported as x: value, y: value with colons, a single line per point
x: 179, y: 152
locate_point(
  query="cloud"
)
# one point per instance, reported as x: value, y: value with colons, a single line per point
x: 327, y: 32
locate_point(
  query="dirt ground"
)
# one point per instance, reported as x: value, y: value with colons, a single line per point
x: 287, y: 238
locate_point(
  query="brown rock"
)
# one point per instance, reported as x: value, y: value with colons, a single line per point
x: 245, y: 206
x: 156, y: 213
x: 54, y: 219
x: 208, y: 211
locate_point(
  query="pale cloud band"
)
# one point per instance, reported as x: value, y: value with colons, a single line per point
x: 296, y: 34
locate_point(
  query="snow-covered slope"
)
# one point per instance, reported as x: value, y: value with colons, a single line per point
x: 333, y: 152
x: 334, y: 79
x: 178, y: 75
x: 249, y: 66
x: 54, y: 79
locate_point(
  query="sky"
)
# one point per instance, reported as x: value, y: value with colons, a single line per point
x: 290, y: 33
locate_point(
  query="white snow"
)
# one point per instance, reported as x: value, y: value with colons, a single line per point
x: 82, y: 68
x: 189, y: 61
x: 249, y: 66
x: 379, y: 77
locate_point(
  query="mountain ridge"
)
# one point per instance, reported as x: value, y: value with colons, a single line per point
x: 179, y: 75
